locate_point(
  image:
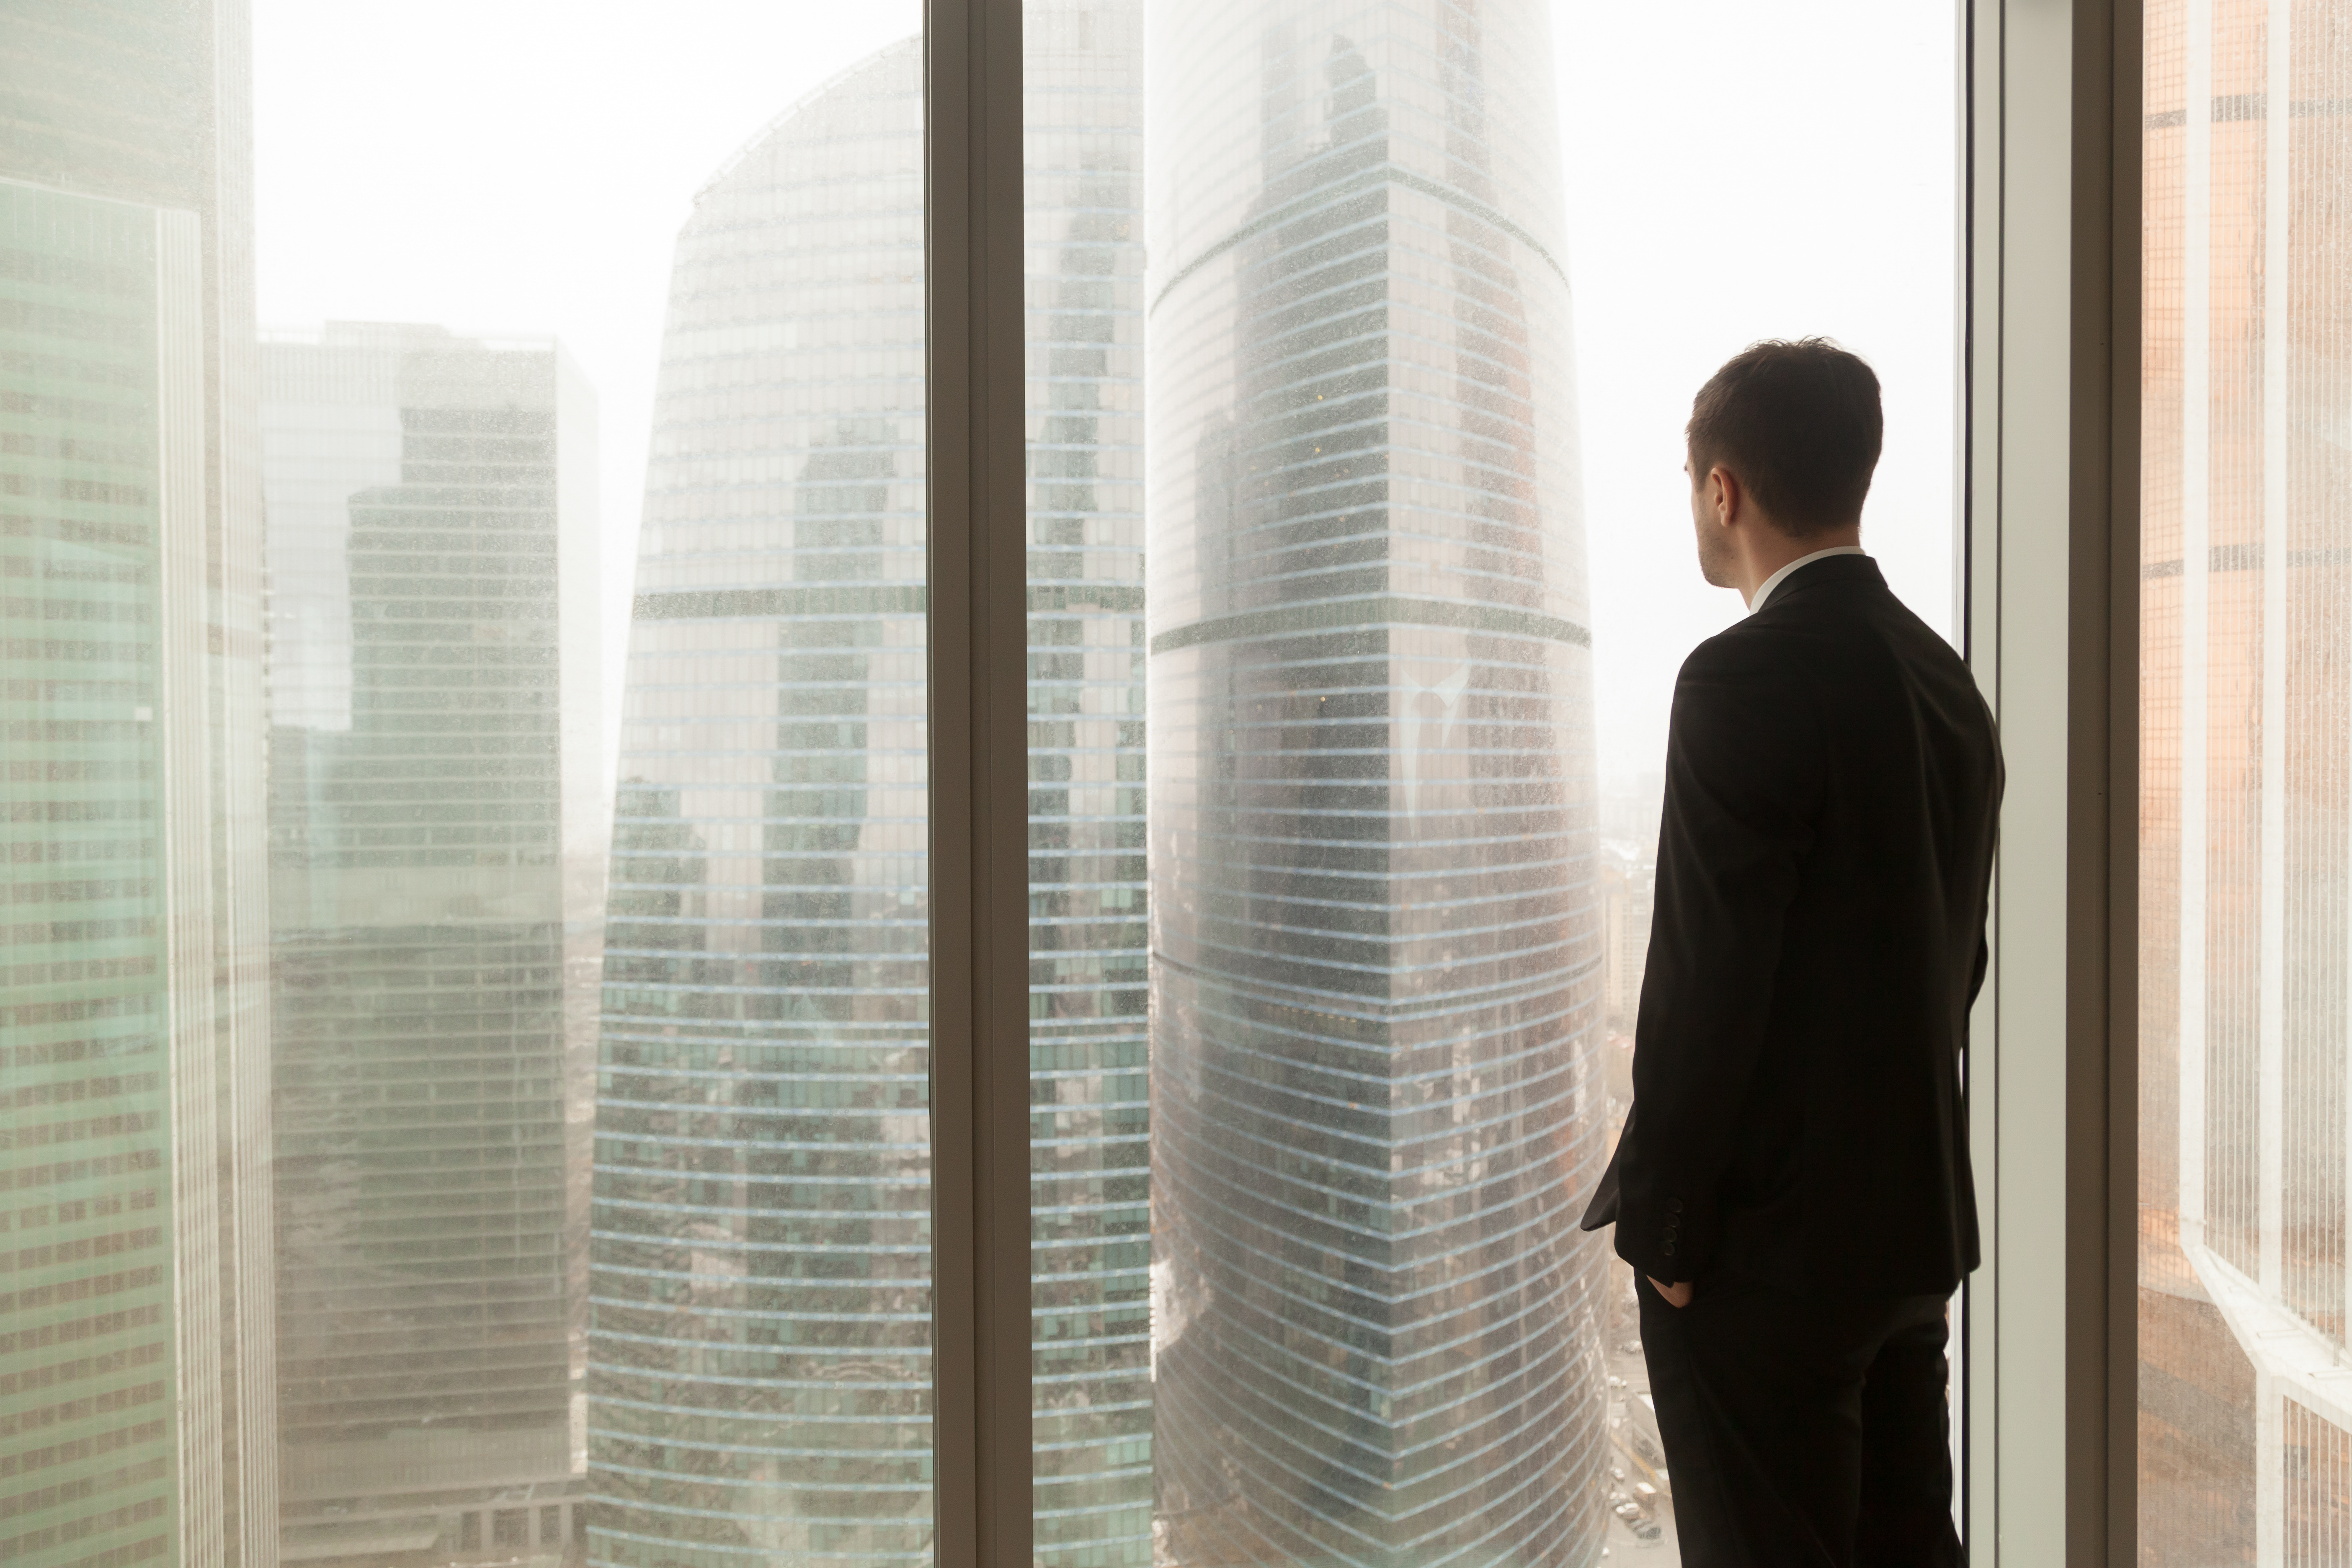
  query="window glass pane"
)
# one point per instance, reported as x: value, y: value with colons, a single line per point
x: 1349, y: 605
x: 595, y: 544
x: 467, y: 1015
x: 2243, y: 1453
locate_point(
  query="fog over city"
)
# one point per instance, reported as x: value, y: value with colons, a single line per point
x: 1314, y: 1077
x: 501, y: 166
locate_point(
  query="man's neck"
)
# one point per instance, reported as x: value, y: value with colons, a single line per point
x: 1769, y: 550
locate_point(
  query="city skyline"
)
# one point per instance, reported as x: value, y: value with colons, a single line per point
x: 359, y: 187
x: 1377, y: 713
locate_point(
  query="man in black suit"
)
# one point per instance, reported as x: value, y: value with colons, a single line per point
x: 1792, y: 1185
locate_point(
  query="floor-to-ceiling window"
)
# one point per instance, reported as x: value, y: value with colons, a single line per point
x: 471, y: 1045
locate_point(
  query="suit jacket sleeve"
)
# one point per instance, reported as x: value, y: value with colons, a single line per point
x: 1744, y: 783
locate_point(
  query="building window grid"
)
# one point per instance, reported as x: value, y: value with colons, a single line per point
x: 2245, y: 1140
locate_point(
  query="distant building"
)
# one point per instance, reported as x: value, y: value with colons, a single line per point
x: 1629, y: 880
x: 1631, y: 806
x: 136, y: 1397
x: 1377, y: 959
x: 761, y: 1371
x: 434, y: 786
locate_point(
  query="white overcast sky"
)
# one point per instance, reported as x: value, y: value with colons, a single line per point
x: 1734, y: 171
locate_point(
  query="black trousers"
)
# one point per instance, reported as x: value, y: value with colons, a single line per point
x: 1803, y: 1431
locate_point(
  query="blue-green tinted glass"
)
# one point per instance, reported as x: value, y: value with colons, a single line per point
x: 89, y: 1322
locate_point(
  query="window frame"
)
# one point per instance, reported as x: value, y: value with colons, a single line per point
x: 2049, y: 543
x: 979, y: 740
x: 2051, y: 497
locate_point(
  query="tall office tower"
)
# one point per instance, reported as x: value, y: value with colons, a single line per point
x: 1376, y: 1101
x: 1088, y: 1035
x: 2246, y: 901
x: 435, y: 784
x: 136, y: 1401
x: 758, y: 1355
x: 759, y: 1360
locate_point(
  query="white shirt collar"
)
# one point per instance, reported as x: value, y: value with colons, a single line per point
x: 1799, y: 565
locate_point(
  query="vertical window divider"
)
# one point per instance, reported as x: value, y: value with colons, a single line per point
x: 978, y: 745
x: 2053, y: 633
x: 2102, y: 791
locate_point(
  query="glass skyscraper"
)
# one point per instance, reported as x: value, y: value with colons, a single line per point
x: 136, y: 1400
x: 434, y: 786
x: 1090, y: 1254
x: 760, y: 1358
x: 2245, y: 802
x: 1376, y: 955
x: 760, y: 1363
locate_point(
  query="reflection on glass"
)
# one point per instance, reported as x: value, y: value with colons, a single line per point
x: 759, y: 1352
x: 1376, y: 957
x: 2246, y: 859
x: 432, y: 566
x: 135, y: 1366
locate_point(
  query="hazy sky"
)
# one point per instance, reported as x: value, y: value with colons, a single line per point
x: 1738, y: 171
x: 1734, y: 171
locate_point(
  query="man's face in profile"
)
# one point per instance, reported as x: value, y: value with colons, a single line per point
x: 1714, y: 542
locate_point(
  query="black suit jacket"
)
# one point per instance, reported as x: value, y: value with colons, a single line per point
x: 1832, y: 781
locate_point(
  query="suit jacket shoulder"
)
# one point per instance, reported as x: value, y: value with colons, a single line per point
x: 1824, y: 855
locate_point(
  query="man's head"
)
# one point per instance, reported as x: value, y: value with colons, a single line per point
x: 1782, y: 443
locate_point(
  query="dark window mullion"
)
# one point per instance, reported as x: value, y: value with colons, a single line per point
x: 979, y: 783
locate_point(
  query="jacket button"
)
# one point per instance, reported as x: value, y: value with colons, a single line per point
x: 1668, y: 1248
x: 1674, y: 1205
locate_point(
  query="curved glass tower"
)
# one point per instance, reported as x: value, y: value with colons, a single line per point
x: 759, y: 1354
x: 760, y: 1340
x: 1375, y: 942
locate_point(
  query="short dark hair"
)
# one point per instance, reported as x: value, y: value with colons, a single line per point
x: 1800, y: 425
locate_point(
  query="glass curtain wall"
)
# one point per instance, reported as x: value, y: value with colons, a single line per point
x: 1374, y: 928
x: 137, y: 1408
x: 759, y: 1366
x: 434, y: 646
x: 1091, y: 1258
x: 2245, y: 784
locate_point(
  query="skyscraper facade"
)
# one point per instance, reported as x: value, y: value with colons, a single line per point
x: 759, y: 1362
x: 136, y: 1398
x: 2245, y: 894
x: 1090, y: 1249
x: 1376, y: 1102
x: 433, y: 781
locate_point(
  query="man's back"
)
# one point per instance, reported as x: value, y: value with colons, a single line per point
x: 1824, y: 857
x: 1792, y: 1185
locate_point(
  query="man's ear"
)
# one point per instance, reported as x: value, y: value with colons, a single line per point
x: 1724, y: 491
